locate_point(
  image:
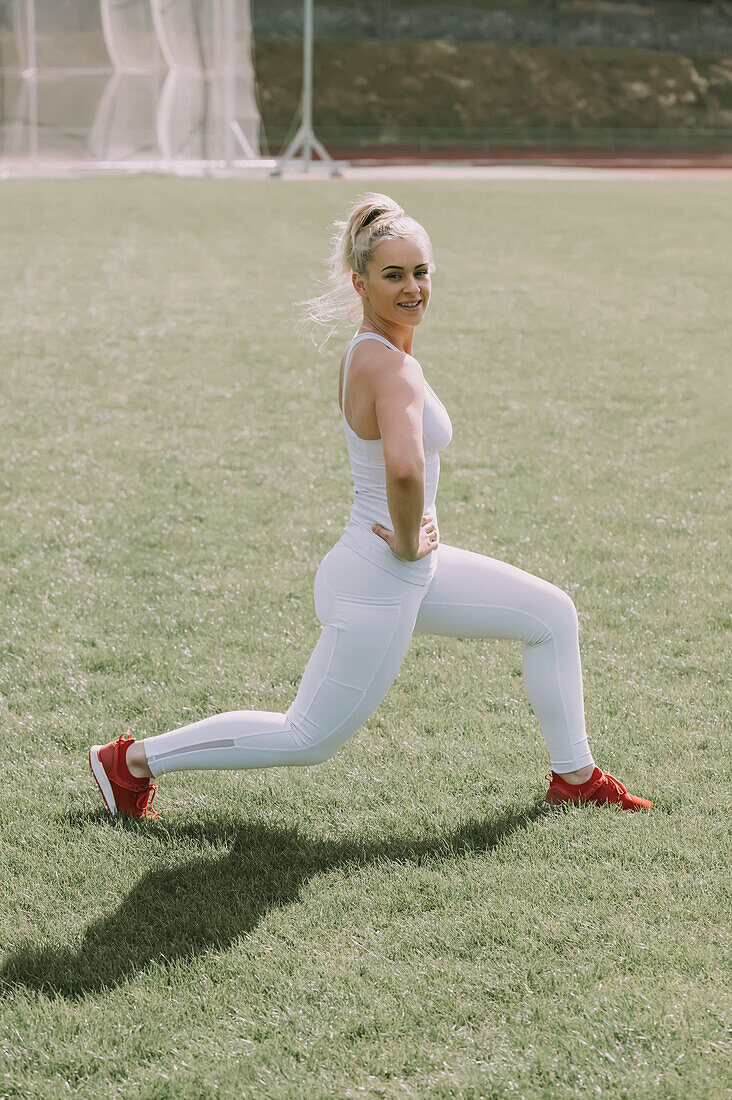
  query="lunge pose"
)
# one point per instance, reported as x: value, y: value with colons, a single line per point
x: 388, y: 576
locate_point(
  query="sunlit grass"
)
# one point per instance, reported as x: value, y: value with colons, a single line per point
x: 403, y: 920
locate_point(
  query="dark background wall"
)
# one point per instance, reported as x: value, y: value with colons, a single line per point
x: 684, y: 25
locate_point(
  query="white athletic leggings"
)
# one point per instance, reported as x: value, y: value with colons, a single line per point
x: 368, y: 618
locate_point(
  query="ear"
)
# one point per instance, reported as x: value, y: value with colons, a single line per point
x: 358, y: 284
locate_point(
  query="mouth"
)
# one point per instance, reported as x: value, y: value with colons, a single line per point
x: 410, y: 305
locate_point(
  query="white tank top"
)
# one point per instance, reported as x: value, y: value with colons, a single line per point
x: 369, y: 482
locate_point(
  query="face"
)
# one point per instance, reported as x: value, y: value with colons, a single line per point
x: 396, y: 287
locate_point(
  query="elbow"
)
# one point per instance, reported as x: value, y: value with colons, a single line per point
x: 407, y: 473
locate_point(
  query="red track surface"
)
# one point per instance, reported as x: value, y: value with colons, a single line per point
x: 561, y: 158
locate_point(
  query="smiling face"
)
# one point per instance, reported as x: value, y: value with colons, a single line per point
x: 396, y: 286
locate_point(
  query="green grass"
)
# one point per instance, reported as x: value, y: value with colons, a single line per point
x: 403, y: 920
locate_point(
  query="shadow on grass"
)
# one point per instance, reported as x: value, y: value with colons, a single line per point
x: 209, y: 901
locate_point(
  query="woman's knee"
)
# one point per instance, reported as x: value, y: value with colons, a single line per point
x: 315, y: 742
x: 564, y: 613
x: 558, y: 614
x: 316, y: 753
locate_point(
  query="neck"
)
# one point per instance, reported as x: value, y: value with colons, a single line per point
x: 401, y: 336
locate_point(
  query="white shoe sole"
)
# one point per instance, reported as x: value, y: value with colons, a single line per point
x: 101, y: 777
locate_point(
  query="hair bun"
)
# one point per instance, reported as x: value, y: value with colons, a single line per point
x: 379, y: 210
x: 370, y: 217
x: 371, y: 208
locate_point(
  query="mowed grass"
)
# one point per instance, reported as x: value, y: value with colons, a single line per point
x: 404, y: 920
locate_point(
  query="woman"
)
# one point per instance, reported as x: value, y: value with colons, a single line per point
x: 388, y: 575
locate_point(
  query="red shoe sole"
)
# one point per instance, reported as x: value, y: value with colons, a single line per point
x: 593, y: 802
x: 101, y: 779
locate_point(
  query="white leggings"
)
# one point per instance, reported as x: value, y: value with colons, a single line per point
x: 368, y: 618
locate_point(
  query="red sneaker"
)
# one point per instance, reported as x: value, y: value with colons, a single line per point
x: 600, y: 787
x: 122, y: 791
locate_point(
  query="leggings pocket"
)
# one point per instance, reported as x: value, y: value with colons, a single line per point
x: 365, y: 627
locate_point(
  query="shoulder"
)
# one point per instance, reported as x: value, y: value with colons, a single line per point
x: 378, y: 365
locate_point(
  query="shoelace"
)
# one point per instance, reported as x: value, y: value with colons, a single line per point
x: 144, y: 801
x: 613, y: 782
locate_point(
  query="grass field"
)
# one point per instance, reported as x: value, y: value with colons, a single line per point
x: 402, y: 921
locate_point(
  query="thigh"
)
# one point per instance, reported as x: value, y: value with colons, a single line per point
x: 474, y: 596
x: 368, y: 619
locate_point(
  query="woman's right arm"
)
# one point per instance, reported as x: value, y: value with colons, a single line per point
x: 399, y: 403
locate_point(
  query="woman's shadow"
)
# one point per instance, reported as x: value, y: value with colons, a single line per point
x: 180, y: 912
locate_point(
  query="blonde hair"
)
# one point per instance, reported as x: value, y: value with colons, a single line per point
x: 372, y: 219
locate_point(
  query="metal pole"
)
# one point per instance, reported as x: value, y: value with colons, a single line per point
x: 307, y: 81
x: 305, y: 141
x: 31, y: 75
x: 228, y: 34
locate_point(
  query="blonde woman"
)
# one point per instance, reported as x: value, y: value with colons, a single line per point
x: 388, y: 576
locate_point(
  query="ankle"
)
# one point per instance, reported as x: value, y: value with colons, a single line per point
x: 136, y: 761
x: 577, y: 778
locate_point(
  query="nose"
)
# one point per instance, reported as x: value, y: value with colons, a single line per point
x: 412, y: 283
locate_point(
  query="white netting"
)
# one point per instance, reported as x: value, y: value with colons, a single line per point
x: 126, y: 81
x: 129, y: 35
x: 124, y: 126
x: 203, y: 37
x: 13, y: 37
